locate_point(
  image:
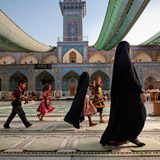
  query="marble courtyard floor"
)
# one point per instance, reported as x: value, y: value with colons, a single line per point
x: 54, y: 139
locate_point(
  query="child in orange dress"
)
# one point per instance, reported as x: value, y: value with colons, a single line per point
x: 45, y: 105
x: 98, y: 100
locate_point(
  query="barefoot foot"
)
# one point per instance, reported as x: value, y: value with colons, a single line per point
x: 102, y: 121
x: 38, y: 115
x: 92, y: 124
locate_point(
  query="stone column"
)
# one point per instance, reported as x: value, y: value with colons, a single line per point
x: 85, y: 54
x: 58, y: 92
x: 60, y: 55
x: 31, y: 84
x: 4, y: 80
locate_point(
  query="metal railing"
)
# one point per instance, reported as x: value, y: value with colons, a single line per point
x: 73, y: 38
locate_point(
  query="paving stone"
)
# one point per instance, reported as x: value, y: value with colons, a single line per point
x: 45, y: 144
x: 91, y: 144
x: 64, y: 127
x: 7, y: 142
x: 151, y: 145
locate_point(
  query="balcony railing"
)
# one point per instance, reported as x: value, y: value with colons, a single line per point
x: 73, y: 38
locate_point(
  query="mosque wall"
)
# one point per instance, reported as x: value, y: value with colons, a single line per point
x: 64, y: 76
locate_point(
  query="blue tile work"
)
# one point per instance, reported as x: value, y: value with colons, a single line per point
x: 140, y: 75
x: 25, y: 71
x: 65, y: 70
x: 58, y: 79
x: 79, y: 49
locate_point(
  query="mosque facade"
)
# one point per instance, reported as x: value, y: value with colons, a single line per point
x: 62, y: 66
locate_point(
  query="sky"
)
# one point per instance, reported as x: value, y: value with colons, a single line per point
x: 43, y: 21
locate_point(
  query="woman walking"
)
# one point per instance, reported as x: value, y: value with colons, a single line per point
x: 127, y: 114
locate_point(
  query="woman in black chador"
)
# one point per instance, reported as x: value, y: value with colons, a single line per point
x: 75, y: 114
x: 127, y: 114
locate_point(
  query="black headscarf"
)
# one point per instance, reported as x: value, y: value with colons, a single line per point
x: 74, y: 115
x: 127, y: 113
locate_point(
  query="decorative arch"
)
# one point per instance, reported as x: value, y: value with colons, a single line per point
x: 97, y: 57
x: 153, y: 73
x: 150, y: 83
x: 70, y: 82
x: 105, y: 79
x: 66, y: 57
x: 142, y: 57
x: 14, y: 78
x: 43, y: 78
x: 29, y: 59
x: 158, y: 58
x: 7, y: 59
x: 50, y: 59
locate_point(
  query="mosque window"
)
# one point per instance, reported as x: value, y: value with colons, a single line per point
x: 31, y: 62
x: 72, y: 57
x: 4, y: 62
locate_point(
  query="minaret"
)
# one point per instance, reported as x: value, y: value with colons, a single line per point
x: 73, y: 12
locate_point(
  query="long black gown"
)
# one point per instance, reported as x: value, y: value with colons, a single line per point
x: 74, y: 115
x: 127, y: 114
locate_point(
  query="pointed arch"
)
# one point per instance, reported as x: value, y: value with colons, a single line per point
x: 14, y: 78
x: 67, y: 82
x: 97, y: 58
x: 51, y: 58
x: 105, y: 79
x: 142, y: 57
x: 7, y: 59
x: 150, y: 83
x: 43, y: 78
x: 153, y: 73
x: 29, y: 59
x: 66, y: 57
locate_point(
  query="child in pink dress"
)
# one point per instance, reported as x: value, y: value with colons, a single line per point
x: 45, y: 105
x: 89, y: 109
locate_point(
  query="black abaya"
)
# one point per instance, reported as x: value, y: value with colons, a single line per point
x: 74, y: 115
x: 127, y: 114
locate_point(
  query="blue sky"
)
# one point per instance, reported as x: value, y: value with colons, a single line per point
x: 42, y: 20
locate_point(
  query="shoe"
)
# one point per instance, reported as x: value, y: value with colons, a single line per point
x: 30, y: 125
x: 6, y: 127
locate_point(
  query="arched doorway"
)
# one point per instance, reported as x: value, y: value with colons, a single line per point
x: 43, y: 78
x: 150, y: 83
x: 105, y: 79
x: 72, y: 57
x: 69, y: 83
x: 72, y: 87
x: 14, y: 78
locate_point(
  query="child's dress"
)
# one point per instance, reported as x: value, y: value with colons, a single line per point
x: 98, y: 103
x: 89, y: 108
x: 42, y: 107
